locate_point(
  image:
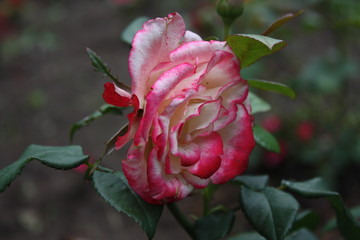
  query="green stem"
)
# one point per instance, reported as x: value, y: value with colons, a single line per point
x: 227, y: 30
x: 181, y: 219
x: 227, y: 27
x: 206, y: 206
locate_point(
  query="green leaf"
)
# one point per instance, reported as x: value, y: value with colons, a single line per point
x: 302, y: 234
x: 315, y: 188
x: 214, y: 226
x: 100, y: 66
x: 64, y: 157
x: 247, y: 236
x: 271, y: 212
x: 273, y: 87
x: 306, y: 219
x: 281, y: 21
x: 103, y: 110
x: 311, y: 189
x: 249, y: 47
x: 111, y: 143
x: 266, y: 139
x: 253, y: 182
x: 113, y: 187
x: 331, y: 224
x: 258, y: 104
x: 129, y: 32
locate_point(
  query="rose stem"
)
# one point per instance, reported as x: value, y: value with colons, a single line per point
x: 181, y: 219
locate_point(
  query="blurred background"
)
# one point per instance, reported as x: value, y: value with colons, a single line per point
x: 47, y: 83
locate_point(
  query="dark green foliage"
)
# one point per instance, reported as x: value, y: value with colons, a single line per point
x: 113, y: 187
x: 64, y: 157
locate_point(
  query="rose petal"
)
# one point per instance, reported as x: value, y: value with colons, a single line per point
x: 197, y: 52
x: 211, y: 148
x: 151, y: 46
x: 195, y: 181
x: 160, y: 89
x: 115, y: 96
x: 134, y: 121
x: 172, y: 115
x: 222, y: 68
x: 238, y: 142
x: 206, y: 114
x: 173, y: 164
x: 135, y: 171
x: 164, y: 187
x: 189, y: 153
x: 191, y: 37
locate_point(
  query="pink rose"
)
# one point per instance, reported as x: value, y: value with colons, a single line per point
x: 191, y: 122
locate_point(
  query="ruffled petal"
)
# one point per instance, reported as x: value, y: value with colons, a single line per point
x: 206, y: 114
x: 135, y: 171
x: 173, y: 164
x: 222, y: 68
x: 189, y: 153
x: 151, y: 46
x: 195, y: 181
x: 197, y: 52
x: 238, y: 142
x: 171, y: 115
x: 211, y: 148
x: 160, y: 89
x: 165, y: 187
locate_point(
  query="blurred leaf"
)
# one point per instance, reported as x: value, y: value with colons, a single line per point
x: 258, y: 104
x: 302, y: 234
x: 265, y: 139
x: 64, y: 157
x: 37, y: 98
x: 306, y: 219
x: 330, y: 72
x: 113, y: 187
x: 312, y: 20
x: 253, y: 70
x: 129, y: 32
x: 252, y: 182
x: 214, y: 226
x: 247, y: 236
x: 249, y: 47
x: 103, y: 110
x: 281, y: 21
x: 271, y: 212
x: 331, y: 224
x: 315, y: 188
x: 272, y: 86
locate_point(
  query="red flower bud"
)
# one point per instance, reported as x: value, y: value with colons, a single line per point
x: 272, y: 123
x: 305, y: 130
